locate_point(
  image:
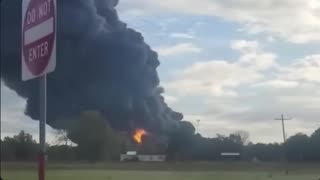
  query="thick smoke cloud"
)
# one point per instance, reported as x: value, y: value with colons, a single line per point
x: 101, y: 65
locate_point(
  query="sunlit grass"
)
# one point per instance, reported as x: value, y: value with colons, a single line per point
x: 181, y: 171
x: 87, y: 174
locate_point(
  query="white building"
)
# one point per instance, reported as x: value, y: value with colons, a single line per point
x: 133, y: 156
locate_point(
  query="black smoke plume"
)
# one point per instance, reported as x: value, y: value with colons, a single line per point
x: 101, y: 65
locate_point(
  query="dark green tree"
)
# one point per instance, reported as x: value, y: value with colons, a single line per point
x: 315, y: 146
x: 297, y: 147
x: 94, y: 137
x: 21, y: 147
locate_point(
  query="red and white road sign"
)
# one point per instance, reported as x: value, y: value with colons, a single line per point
x: 38, y: 38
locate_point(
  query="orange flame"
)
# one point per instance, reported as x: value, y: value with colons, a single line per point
x: 138, y: 135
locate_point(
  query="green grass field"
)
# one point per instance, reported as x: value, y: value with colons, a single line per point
x: 166, y: 171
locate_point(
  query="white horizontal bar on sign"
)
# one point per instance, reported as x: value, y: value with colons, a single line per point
x: 39, y: 31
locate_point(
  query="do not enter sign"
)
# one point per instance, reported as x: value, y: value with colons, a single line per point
x: 38, y: 38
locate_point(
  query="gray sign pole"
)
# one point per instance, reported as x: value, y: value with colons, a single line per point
x: 0, y: 70
x: 42, y: 123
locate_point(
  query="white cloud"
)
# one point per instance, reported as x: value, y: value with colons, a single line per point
x: 134, y: 13
x: 13, y: 119
x: 249, y: 92
x: 178, y: 49
x: 218, y: 77
x: 170, y: 99
x: 295, y: 20
x: 270, y: 39
x: 275, y: 84
x: 265, y: 129
x: 305, y: 69
x: 245, y: 46
x: 262, y: 108
x: 181, y: 35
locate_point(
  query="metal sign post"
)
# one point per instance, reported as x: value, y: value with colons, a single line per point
x: 42, y: 126
x: 0, y: 71
x: 38, y: 57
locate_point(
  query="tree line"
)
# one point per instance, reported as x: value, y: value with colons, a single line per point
x: 95, y: 141
x: 298, y: 148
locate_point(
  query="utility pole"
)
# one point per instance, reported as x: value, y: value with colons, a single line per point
x: 282, y: 119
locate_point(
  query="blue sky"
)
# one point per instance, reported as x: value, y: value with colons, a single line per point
x: 233, y: 64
